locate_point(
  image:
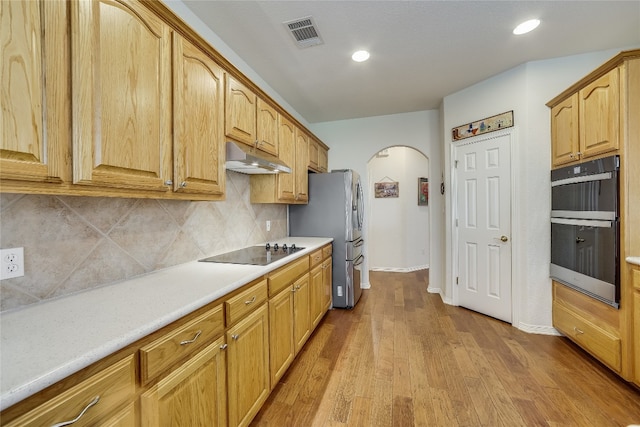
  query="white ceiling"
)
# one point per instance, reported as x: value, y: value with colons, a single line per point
x: 421, y: 51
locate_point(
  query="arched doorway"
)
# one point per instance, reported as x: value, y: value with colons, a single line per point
x: 398, y: 227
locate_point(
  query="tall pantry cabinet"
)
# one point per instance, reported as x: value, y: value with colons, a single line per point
x: 598, y: 117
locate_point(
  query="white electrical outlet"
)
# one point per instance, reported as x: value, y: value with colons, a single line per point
x: 12, y: 261
x: 268, y: 225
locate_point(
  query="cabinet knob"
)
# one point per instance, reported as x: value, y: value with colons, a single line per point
x: 183, y: 184
x: 168, y: 182
x: 235, y: 337
x: 223, y: 346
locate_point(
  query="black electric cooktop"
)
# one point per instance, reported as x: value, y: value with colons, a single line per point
x: 255, y: 255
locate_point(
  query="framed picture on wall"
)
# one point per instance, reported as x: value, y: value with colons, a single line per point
x: 386, y: 189
x: 423, y: 191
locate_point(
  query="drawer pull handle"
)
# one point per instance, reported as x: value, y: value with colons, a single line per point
x: 223, y: 346
x: 251, y: 301
x: 578, y: 331
x: 66, y: 423
x: 185, y: 342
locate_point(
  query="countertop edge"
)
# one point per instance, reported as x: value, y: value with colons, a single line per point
x: 67, y: 362
x: 633, y: 260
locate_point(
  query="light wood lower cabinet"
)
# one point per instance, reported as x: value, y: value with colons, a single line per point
x: 248, y: 366
x: 589, y: 323
x: 214, y: 367
x: 282, y: 349
x: 320, y: 284
x: 192, y: 395
x: 635, y: 277
x: 95, y: 401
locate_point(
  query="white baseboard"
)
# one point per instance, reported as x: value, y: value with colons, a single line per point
x: 365, y: 285
x: 400, y: 270
x: 538, y: 329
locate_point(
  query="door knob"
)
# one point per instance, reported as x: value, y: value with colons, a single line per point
x: 504, y: 238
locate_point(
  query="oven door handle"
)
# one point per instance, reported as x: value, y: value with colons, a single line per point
x: 583, y: 222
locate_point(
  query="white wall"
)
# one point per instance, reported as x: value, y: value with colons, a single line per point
x: 524, y: 89
x: 398, y: 227
x: 354, y: 142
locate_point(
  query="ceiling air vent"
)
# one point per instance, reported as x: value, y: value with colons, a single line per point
x: 304, y: 32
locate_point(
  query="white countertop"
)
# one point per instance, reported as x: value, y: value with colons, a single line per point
x: 44, y: 343
x: 633, y: 260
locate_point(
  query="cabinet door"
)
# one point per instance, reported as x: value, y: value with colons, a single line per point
x: 121, y: 95
x: 192, y: 395
x: 313, y: 154
x: 32, y: 119
x: 323, y: 160
x: 635, y: 278
x: 281, y: 346
x: 599, y: 115
x: 267, y: 133
x: 248, y: 366
x: 240, y: 112
x: 317, y: 300
x: 327, y: 279
x: 300, y: 170
x: 301, y: 312
x: 564, y: 132
x: 198, y: 104
x: 286, y: 142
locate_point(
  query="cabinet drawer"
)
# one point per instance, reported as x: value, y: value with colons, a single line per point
x: 245, y: 302
x: 327, y: 251
x: 180, y: 342
x: 315, y: 258
x: 101, y: 394
x: 602, y: 344
x: 286, y: 275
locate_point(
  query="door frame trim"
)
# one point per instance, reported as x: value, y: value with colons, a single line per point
x: 516, y: 262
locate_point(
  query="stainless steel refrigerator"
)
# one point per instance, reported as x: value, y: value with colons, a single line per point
x: 335, y: 209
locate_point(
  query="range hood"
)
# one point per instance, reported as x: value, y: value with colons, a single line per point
x: 244, y: 159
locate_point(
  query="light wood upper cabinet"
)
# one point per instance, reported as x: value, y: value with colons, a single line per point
x: 267, y: 133
x: 192, y: 395
x: 323, y: 160
x: 300, y: 171
x: 248, y: 366
x: 198, y: 118
x: 240, y: 112
x: 33, y: 76
x: 313, y: 154
x: 599, y: 107
x: 318, y: 156
x: 564, y: 131
x: 586, y: 123
x: 121, y: 96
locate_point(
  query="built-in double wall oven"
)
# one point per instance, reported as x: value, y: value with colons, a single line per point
x: 585, y: 228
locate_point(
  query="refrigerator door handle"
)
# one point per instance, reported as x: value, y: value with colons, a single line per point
x: 358, y: 243
x: 358, y: 261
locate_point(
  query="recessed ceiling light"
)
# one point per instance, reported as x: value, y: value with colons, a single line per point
x: 526, y: 26
x: 360, y: 56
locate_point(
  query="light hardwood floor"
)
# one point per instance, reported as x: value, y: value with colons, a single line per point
x: 403, y: 358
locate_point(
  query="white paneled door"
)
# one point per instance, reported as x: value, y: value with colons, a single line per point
x: 484, y: 225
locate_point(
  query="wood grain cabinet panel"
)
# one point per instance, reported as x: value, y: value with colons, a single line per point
x: 267, y: 131
x: 564, y: 131
x: 282, y: 349
x: 635, y: 277
x: 316, y: 295
x: 327, y: 283
x: 599, y: 107
x: 198, y: 118
x: 300, y: 171
x: 301, y: 312
x: 192, y: 395
x: 182, y: 341
x: 121, y: 95
x: 32, y: 83
x: 248, y: 366
x: 99, y: 397
x: 245, y: 302
x: 240, y: 112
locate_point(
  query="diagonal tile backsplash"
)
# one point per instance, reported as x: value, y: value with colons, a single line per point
x: 72, y: 244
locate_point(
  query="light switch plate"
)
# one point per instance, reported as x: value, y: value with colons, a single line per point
x: 12, y: 262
